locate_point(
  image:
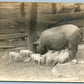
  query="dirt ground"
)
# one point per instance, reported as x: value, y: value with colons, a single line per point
x: 27, y: 71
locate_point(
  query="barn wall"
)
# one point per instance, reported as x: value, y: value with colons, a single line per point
x: 10, y: 16
x: 12, y: 22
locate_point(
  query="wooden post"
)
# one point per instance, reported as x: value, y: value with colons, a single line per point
x: 32, y: 27
x: 22, y: 9
x: 53, y: 8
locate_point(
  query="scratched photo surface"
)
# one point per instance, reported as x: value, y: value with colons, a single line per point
x: 41, y: 42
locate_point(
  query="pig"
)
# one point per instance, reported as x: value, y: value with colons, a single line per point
x: 36, y: 58
x: 50, y: 55
x: 15, y: 57
x: 62, y: 57
x: 58, y: 38
x: 25, y: 54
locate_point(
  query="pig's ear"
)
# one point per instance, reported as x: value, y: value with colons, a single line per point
x: 36, y: 43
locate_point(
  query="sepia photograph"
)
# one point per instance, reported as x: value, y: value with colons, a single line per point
x: 42, y: 42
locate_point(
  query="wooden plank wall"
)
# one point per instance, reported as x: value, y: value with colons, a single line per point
x: 9, y: 14
x: 12, y: 22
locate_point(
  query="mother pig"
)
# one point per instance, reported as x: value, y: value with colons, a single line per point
x: 60, y: 37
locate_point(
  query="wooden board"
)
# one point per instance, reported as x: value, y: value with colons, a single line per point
x: 11, y: 36
x: 61, y: 16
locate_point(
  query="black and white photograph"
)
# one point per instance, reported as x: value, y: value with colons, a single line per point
x: 42, y: 42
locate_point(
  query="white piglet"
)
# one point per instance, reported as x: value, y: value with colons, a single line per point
x: 15, y: 57
x: 50, y: 56
x: 43, y: 59
x: 64, y: 56
x: 36, y: 58
x: 25, y: 54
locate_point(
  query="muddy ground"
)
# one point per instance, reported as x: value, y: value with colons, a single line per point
x: 28, y: 71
